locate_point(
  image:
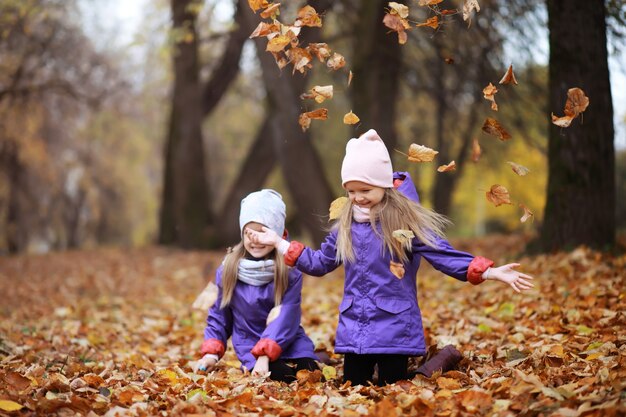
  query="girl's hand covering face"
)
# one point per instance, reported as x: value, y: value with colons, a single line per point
x: 507, y: 274
x: 264, y: 237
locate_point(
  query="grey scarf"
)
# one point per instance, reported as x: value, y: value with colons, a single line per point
x: 256, y: 273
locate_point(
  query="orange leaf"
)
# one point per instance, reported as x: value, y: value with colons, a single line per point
x: 351, y: 118
x: 429, y: 2
x: 576, y: 103
x: 257, y: 4
x: 397, y: 24
x: 300, y: 59
x: 492, y: 127
x: 476, y: 151
x: 349, y: 78
x: 448, y: 12
x: 446, y: 168
x: 280, y: 59
x: 305, y: 118
x: 336, y: 61
x: 264, y: 29
x: 489, y: 93
x: 527, y: 213
x: 432, y: 22
x: 278, y: 43
x: 518, y: 169
x: 420, y: 153
x: 509, y: 77
x: 272, y: 11
x: 498, y: 195
x: 307, y: 16
x: 397, y: 269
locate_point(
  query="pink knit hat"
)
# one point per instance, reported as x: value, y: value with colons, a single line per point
x: 368, y: 161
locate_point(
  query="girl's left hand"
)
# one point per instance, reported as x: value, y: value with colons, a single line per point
x: 507, y: 274
x: 261, y: 367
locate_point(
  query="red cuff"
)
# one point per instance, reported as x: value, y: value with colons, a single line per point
x: 397, y: 182
x: 267, y: 347
x: 293, y: 253
x: 476, y: 269
x: 213, y: 346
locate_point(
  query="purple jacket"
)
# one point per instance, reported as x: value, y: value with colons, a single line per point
x: 245, y: 319
x: 379, y: 313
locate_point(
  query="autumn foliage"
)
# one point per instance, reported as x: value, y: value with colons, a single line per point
x: 114, y: 332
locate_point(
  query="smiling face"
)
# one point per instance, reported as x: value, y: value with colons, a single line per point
x: 364, y: 195
x: 255, y: 249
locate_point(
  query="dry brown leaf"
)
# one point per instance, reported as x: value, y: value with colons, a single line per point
x: 403, y: 236
x: 319, y: 93
x: 527, y: 213
x: 576, y: 103
x: 265, y: 29
x: 397, y: 24
x: 349, y: 78
x: 420, y: 153
x: 397, y: 269
x: 468, y: 7
x: 449, y: 60
x: 300, y: 59
x: 320, y: 50
x: 509, y: 77
x: 278, y: 43
x: 429, y: 2
x: 451, y: 166
x: 350, y: 118
x: 492, y: 127
x: 401, y: 10
x: 498, y: 195
x: 272, y: 11
x: 334, y: 211
x: 518, y: 169
x: 280, y: 59
x: 336, y: 61
x: 489, y: 93
x: 305, y: 118
x: 432, y: 22
x: 257, y: 4
x: 307, y: 16
x: 476, y: 151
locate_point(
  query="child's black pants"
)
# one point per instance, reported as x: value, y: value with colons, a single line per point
x: 359, y: 369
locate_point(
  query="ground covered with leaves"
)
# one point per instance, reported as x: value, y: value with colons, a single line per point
x: 112, y: 332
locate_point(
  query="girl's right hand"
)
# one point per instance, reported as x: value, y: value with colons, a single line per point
x: 207, y: 363
x: 266, y: 237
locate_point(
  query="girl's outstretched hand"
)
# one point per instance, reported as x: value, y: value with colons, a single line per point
x: 507, y: 274
x: 266, y: 237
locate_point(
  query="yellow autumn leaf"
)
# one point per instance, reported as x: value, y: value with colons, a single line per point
x: 277, y: 43
x: 351, y: 118
x: 401, y: 10
x: 8, y: 405
x: 403, y: 236
x: 420, y: 153
x: 336, y: 207
x: 447, y: 167
x: 329, y: 373
x: 166, y: 375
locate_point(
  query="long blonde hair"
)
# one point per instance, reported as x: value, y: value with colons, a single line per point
x: 231, y: 269
x: 394, y: 212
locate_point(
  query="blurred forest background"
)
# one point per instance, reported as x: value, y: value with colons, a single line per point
x: 155, y: 137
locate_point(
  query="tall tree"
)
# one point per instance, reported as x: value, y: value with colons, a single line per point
x: 580, y: 207
x: 186, y: 216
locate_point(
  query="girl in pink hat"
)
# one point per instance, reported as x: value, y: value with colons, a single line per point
x: 380, y: 322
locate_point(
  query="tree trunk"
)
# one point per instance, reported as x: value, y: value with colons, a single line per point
x: 376, y: 66
x: 185, y: 217
x: 580, y: 206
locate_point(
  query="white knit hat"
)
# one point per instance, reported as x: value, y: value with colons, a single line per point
x: 265, y: 207
x: 368, y: 161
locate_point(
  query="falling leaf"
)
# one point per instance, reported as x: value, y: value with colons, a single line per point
x: 8, y: 405
x: 447, y: 12
x: 280, y: 59
x: 305, y: 118
x: 518, y: 169
x: 509, y: 77
x: 492, y: 127
x: 575, y: 104
x: 489, y: 93
x: 397, y: 24
x: 277, y: 43
x: 207, y: 297
x: 476, y: 151
x: 397, y: 269
x: 336, y: 61
x: 468, y: 7
x: 349, y: 78
x: 273, y: 314
x: 498, y: 195
x: 429, y: 2
x: 257, y: 4
x: 403, y: 236
x: 300, y: 59
x: 401, y: 10
x: 420, y: 153
x: 272, y: 11
x: 320, y: 50
x: 265, y: 29
x: 448, y: 167
x: 432, y: 22
x: 307, y: 16
x: 334, y: 211
x: 350, y: 118
x: 449, y: 61
x: 322, y: 92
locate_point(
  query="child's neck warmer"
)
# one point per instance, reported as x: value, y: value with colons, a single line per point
x: 360, y: 214
x: 256, y: 273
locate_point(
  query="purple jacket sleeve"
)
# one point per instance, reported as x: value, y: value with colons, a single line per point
x: 219, y: 322
x: 284, y: 328
x: 445, y: 258
x: 319, y: 262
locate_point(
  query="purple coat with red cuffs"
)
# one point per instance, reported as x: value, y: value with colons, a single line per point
x: 245, y: 320
x: 379, y: 313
